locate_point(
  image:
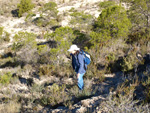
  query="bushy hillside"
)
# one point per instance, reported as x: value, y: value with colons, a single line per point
x: 35, y: 68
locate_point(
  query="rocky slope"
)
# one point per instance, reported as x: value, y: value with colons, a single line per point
x: 24, y: 88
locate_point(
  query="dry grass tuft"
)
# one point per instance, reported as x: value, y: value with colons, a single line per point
x: 12, y: 107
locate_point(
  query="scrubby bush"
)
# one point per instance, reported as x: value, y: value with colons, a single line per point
x: 5, y: 79
x: 82, y: 39
x: 48, y: 15
x: 146, y: 84
x: 25, y: 46
x: 55, y: 95
x: 114, y: 22
x: 50, y: 8
x: 29, y: 16
x: 122, y: 103
x: 24, y: 6
x: 87, y: 91
x: 9, y: 107
x: 64, y: 37
x: 24, y: 39
x: 81, y: 21
x: 130, y: 62
x: 106, y: 4
x: 1, y: 31
x: 4, y: 35
x: 111, y: 26
x: 46, y: 70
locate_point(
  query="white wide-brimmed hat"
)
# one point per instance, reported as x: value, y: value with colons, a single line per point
x: 73, y: 47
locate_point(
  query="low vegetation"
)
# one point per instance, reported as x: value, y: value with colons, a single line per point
x: 44, y: 72
x: 24, y: 6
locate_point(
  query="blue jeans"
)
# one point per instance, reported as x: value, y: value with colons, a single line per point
x: 80, y: 81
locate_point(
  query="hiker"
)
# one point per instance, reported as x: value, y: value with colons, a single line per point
x: 78, y: 64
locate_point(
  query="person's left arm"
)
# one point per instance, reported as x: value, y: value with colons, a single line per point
x: 81, y: 64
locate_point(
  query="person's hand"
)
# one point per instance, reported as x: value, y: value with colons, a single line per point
x: 78, y: 75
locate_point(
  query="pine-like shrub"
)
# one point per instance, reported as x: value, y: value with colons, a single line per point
x: 24, y: 6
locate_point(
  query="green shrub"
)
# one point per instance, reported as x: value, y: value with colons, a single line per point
x: 1, y: 31
x: 5, y: 79
x: 50, y: 8
x: 130, y: 62
x: 4, y: 35
x: 24, y: 6
x: 29, y: 16
x: 99, y: 39
x: 81, y: 21
x: 64, y: 37
x: 23, y: 39
x: 114, y: 22
x: 26, y: 45
x: 46, y: 70
x: 48, y: 15
x: 42, y: 49
x: 55, y: 95
x: 106, y: 4
x: 138, y: 14
x: 72, y: 10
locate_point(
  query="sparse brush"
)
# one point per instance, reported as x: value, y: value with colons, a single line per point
x: 146, y: 84
x: 4, y: 35
x: 5, y: 79
x: 122, y: 104
x: 46, y: 70
x: 55, y: 95
x: 86, y: 92
x: 81, y: 21
x: 7, y: 7
x: 11, y: 107
x: 25, y: 46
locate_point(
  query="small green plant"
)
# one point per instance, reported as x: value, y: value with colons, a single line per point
x: 23, y: 39
x: 72, y: 10
x: 46, y: 70
x: 24, y: 6
x: 29, y: 16
x: 5, y: 79
x: 130, y: 62
x: 55, y: 95
x: 42, y: 49
x: 4, y: 35
x: 1, y: 31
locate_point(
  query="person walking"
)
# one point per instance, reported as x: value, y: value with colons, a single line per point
x: 78, y: 64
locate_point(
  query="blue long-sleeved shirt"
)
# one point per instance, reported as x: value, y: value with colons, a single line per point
x: 78, y: 63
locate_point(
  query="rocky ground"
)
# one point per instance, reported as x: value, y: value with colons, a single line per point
x: 22, y: 86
